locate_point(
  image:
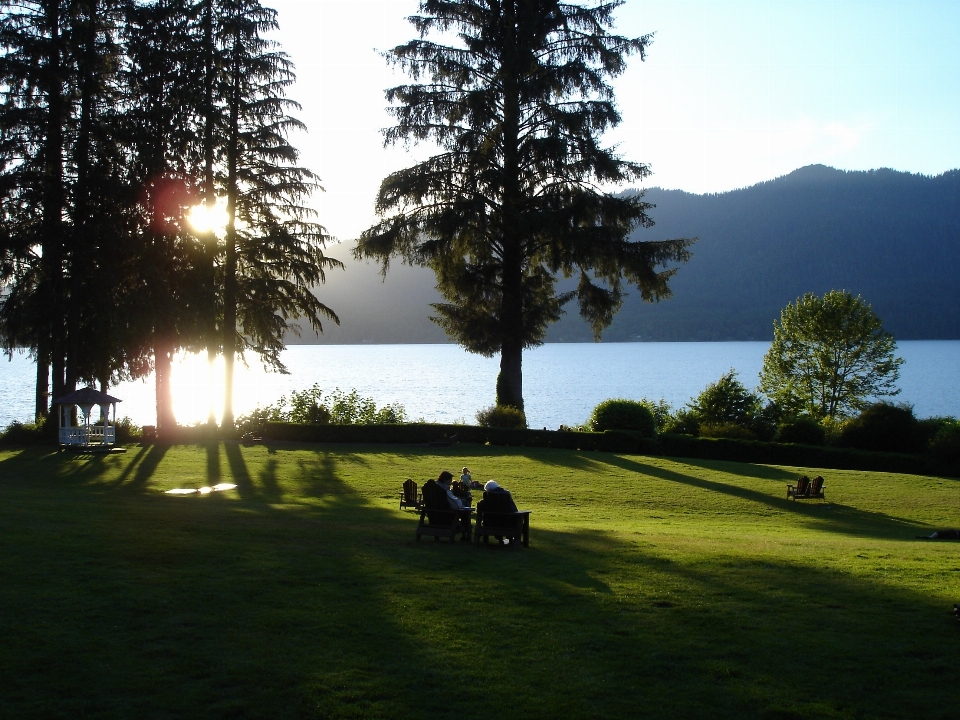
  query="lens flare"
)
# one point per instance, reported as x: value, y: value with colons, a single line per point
x: 205, y: 218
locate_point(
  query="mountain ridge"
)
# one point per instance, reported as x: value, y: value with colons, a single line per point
x: 890, y: 236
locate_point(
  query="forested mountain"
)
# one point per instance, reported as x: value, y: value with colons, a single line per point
x: 892, y: 237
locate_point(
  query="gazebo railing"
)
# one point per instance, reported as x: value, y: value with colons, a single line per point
x: 88, y: 435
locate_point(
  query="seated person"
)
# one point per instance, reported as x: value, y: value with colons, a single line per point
x: 496, y: 498
x: 468, y: 481
x: 444, y: 482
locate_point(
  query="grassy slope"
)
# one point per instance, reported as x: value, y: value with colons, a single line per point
x: 652, y: 588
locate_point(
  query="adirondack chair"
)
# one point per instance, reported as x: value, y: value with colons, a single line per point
x: 806, y: 489
x: 499, y: 517
x: 409, y: 497
x: 438, y: 519
x: 803, y: 484
x: 816, y: 488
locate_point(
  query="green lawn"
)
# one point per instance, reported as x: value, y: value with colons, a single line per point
x: 652, y: 588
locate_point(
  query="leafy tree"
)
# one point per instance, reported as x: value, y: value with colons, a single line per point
x: 726, y: 401
x: 829, y: 355
x: 660, y: 409
x: 516, y: 106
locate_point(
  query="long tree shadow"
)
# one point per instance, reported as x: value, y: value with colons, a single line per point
x: 214, y: 474
x: 147, y: 467
x: 839, y: 518
x: 337, y: 611
x: 761, y: 472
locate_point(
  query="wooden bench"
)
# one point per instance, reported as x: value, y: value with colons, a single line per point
x: 806, y: 489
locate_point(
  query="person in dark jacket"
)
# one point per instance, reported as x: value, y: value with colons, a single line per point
x: 495, y: 499
x: 499, y: 498
x: 444, y: 481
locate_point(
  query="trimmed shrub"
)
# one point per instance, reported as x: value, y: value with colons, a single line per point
x: 726, y: 430
x: 620, y: 414
x: 502, y: 416
x: 804, y: 430
x: 945, y: 445
x: 883, y: 427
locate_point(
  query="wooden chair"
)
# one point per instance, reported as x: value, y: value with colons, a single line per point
x: 806, y: 489
x: 409, y: 496
x: 499, y: 518
x: 816, y: 488
x: 438, y: 519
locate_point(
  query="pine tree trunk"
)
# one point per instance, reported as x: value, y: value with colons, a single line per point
x: 209, y: 195
x: 43, y: 380
x: 163, y: 369
x: 230, y: 257
x: 510, y: 380
x: 53, y: 202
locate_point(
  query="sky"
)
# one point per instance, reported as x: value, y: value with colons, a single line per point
x: 732, y: 92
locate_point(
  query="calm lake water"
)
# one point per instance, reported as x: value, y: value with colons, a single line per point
x: 443, y: 383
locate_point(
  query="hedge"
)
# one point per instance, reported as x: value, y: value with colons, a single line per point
x: 618, y: 441
x: 422, y: 433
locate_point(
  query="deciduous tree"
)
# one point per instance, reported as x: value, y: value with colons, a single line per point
x: 829, y: 356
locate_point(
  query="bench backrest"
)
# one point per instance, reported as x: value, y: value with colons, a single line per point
x: 803, y: 484
x: 816, y: 486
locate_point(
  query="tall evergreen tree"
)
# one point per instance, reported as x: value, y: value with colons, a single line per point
x: 515, y: 197
x: 162, y: 116
x: 273, y: 250
x: 34, y: 67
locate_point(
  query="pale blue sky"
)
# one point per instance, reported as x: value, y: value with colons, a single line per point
x: 733, y: 92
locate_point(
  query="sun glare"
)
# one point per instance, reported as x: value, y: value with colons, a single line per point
x: 204, y: 219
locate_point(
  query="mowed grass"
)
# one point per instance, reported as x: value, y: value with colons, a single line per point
x: 652, y: 588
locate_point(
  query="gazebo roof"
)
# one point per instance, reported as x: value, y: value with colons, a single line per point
x: 86, y: 396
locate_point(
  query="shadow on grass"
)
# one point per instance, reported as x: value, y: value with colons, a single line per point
x: 331, y: 609
x: 214, y: 474
x: 833, y: 517
x: 761, y: 472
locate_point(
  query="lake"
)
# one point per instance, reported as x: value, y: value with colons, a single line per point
x: 443, y: 383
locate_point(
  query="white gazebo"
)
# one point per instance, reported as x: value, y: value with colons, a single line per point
x: 85, y: 435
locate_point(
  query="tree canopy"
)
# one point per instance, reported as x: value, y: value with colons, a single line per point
x: 829, y: 356
x: 116, y: 117
x: 515, y: 94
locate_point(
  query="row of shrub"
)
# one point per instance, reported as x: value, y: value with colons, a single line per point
x: 619, y: 441
x: 726, y: 409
